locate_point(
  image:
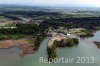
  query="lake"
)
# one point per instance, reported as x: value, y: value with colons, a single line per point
x: 86, y: 48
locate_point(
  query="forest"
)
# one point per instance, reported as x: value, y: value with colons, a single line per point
x: 88, y: 22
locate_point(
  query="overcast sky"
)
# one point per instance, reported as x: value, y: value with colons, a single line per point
x: 88, y: 3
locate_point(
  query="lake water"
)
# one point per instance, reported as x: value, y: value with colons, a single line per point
x: 86, y: 48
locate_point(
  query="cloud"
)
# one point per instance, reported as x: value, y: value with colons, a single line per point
x: 53, y: 2
x: 65, y: 2
x: 68, y: 1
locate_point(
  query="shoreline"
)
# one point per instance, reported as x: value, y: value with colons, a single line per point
x: 59, y: 40
x: 97, y: 43
x: 55, y: 36
x: 25, y: 46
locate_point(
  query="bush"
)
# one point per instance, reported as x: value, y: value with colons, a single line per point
x: 3, y: 37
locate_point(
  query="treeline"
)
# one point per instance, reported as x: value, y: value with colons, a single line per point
x: 10, y: 16
x: 21, y: 29
x: 25, y: 29
x: 28, y: 14
x: 68, y: 42
x: 88, y: 33
x: 88, y: 22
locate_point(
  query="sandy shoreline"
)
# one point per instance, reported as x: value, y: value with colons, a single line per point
x: 9, y: 43
x: 23, y: 44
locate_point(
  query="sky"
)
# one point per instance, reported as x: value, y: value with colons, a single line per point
x: 63, y: 3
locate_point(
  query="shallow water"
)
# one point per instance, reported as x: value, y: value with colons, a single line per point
x: 86, y: 48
